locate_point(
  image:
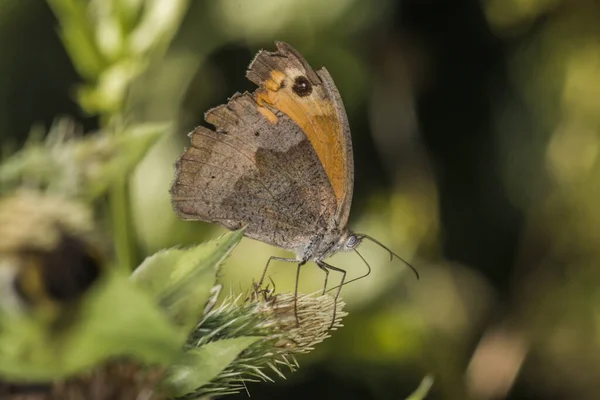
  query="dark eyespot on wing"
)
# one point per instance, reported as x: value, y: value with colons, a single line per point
x: 302, y: 86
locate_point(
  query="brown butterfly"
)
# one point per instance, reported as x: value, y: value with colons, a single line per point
x: 279, y: 162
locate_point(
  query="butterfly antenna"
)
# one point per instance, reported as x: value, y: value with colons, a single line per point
x: 392, y: 254
x: 357, y: 278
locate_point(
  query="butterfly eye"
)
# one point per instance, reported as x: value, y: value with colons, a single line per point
x: 302, y: 87
x: 352, y: 241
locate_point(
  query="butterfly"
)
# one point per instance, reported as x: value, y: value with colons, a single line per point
x: 278, y: 162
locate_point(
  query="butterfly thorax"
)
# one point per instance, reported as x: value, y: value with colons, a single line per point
x: 324, y: 245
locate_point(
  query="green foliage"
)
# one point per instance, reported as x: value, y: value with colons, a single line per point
x: 82, y: 166
x: 203, y: 364
x: 112, y: 42
x: 146, y: 316
x: 182, y: 279
x: 111, y: 320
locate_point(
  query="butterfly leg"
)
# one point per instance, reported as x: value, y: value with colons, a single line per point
x: 300, y: 264
x: 264, y: 274
x: 324, y: 265
x: 326, y: 276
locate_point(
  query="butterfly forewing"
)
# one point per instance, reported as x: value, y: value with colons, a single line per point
x: 312, y: 101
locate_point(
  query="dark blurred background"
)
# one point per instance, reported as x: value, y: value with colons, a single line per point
x: 475, y: 126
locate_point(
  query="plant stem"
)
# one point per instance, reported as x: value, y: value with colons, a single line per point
x: 122, y: 226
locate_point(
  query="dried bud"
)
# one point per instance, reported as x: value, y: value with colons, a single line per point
x: 46, y: 254
x: 273, y: 318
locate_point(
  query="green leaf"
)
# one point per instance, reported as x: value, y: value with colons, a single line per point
x: 182, y: 278
x: 203, y: 364
x: 115, y: 318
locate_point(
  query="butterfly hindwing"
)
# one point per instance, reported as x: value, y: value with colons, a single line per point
x: 255, y: 169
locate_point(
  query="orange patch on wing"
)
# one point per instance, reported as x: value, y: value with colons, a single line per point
x: 274, y: 84
x: 318, y: 119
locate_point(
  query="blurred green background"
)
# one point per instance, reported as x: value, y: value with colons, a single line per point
x: 476, y: 136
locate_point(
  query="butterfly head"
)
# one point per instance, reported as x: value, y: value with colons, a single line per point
x: 349, y: 241
x: 338, y: 242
